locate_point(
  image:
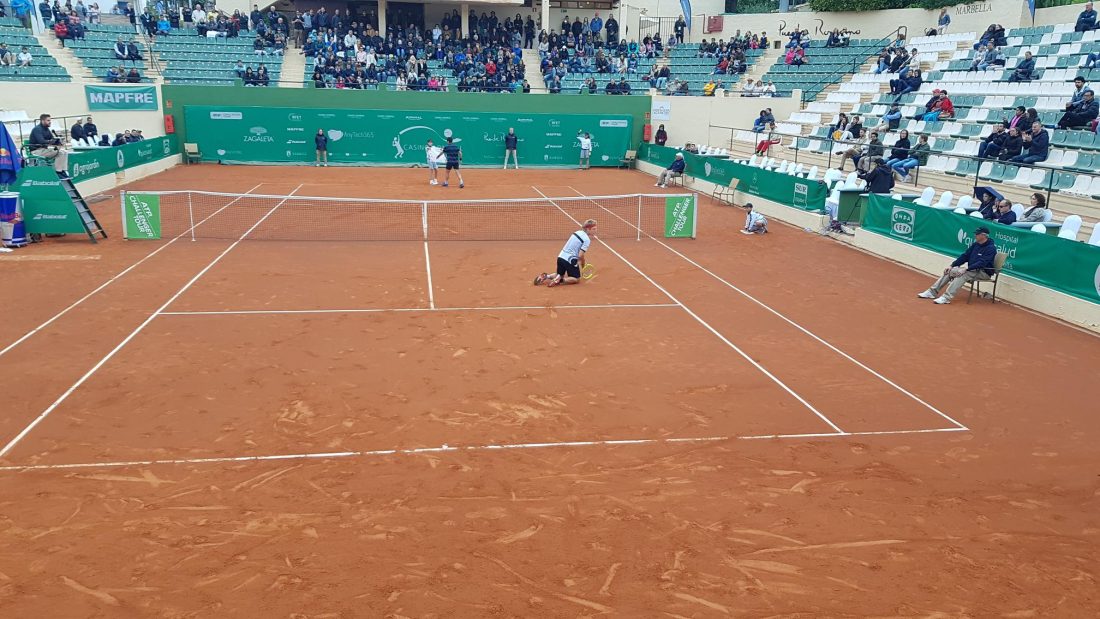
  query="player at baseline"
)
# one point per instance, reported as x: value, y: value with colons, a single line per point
x: 433, y: 152
x: 571, y: 259
x: 454, y: 155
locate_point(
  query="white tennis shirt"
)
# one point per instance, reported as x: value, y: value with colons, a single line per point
x: 577, y: 242
x: 586, y: 143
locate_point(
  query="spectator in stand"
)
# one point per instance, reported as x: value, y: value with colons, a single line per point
x: 880, y: 178
x: 978, y: 258
x: 7, y: 59
x: 21, y: 10
x: 764, y: 145
x: 120, y: 49
x: 1090, y: 61
x: 90, y: 130
x: 943, y: 22
x: 918, y: 156
x: 119, y: 140
x: 1024, y: 72
x: 44, y: 144
x: 1019, y: 119
x: 1086, y: 20
x: 911, y: 83
x: 661, y: 136
x: 1037, y: 212
x: 133, y: 54
x: 163, y: 26
x: 1012, y: 146
x: 891, y: 120
x: 133, y: 77
x: 76, y: 134
x: 679, y: 28
x: 991, y: 144
x: 115, y: 75
x: 900, y: 150
x: 856, y: 127
x: 708, y: 88
x: 942, y: 108
x: 1004, y: 214
x: 864, y: 150
x: 674, y: 170
x: 1080, y: 113
x: 24, y: 57
x: 987, y: 58
x: 761, y: 122
x: 1037, y: 143
x: 988, y: 206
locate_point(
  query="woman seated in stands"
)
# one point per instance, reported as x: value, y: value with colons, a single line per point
x: 249, y: 77
x: 133, y: 77
x: 262, y: 78
x: 834, y: 39
x: 1037, y: 212
x: 796, y: 57
x: 764, y: 145
x: 61, y: 31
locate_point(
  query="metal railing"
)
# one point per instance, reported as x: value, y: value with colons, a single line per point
x: 856, y: 61
x: 1048, y: 186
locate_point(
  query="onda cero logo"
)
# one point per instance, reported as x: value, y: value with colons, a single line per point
x: 902, y: 221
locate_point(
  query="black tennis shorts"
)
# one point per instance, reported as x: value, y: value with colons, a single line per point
x: 567, y: 267
x: 452, y: 165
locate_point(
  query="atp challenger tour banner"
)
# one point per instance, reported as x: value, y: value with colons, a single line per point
x: 93, y: 162
x: 398, y: 137
x: 680, y: 216
x: 141, y: 216
x: 780, y: 188
x: 1061, y: 264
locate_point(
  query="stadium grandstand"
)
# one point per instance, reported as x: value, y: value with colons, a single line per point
x: 549, y: 308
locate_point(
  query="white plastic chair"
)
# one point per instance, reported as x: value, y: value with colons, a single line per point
x: 977, y: 214
x: 852, y: 179
x: 926, y: 196
x: 1019, y: 210
x: 960, y: 211
x: 812, y: 175
x: 945, y: 200
x: 752, y: 160
x: 1095, y: 238
x: 783, y: 167
x: 1040, y: 228
x: 965, y: 203
x: 1070, y: 227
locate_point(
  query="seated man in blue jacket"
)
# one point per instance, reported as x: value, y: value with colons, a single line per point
x: 1036, y: 145
x: 1086, y: 20
x: 978, y: 259
x: 675, y: 169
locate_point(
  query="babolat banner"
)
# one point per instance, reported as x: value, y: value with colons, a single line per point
x: 395, y: 137
x: 93, y: 162
x: 781, y: 188
x: 121, y: 98
x: 47, y: 207
x: 1060, y: 264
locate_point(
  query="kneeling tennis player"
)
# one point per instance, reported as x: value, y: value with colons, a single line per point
x: 572, y: 257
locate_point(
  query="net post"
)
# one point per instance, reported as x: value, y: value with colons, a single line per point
x: 122, y: 210
x: 424, y: 218
x: 191, y: 215
x: 638, y: 224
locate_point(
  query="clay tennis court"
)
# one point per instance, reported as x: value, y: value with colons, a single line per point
x: 748, y: 426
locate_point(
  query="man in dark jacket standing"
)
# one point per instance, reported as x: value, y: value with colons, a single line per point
x: 511, y: 146
x: 978, y: 258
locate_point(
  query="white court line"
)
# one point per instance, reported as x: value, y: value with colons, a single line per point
x: 428, y: 268
x: 382, y: 310
x: 737, y: 349
x: 794, y: 324
x: 120, y: 274
x: 95, y: 368
x: 448, y: 448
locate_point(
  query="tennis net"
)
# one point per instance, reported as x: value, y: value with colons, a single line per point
x: 230, y: 216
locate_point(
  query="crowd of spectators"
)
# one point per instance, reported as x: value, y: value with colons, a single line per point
x: 19, y: 59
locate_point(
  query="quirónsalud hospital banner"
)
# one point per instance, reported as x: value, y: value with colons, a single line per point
x: 230, y: 133
x: 1067, y: 266
x: 780, y: 188
x: 93, y: 162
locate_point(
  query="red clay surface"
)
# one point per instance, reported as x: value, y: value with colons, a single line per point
x: 1000, y: 520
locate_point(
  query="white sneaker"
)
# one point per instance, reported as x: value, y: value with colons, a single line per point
x: 927, y: 294
x: 433, y: 182
x: 656, y: 184
x: 746, y: 232
x: 942, y: 301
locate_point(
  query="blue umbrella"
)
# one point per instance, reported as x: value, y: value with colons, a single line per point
x: 10, y: 159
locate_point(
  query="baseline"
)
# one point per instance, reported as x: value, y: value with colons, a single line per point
x: 133, y: 266
x: 369, y: 310
x: 705, y: 324
x: 794, y: 324
x: 95, y: 368
x: 468, y: 448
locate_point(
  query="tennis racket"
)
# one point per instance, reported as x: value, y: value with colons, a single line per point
x: 589, y: 271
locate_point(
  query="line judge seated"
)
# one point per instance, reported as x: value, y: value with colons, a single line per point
x: 675, y: 169
x: 978, y: 258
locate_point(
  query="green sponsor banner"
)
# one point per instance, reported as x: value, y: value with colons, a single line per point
x: 680, y: 216
x: 1060, y: 264
x: 780, y: 188
x: 121, y: 98
x: 141, y: 216
x: 398, y: 137
x: 47, y: 207
x: 86, y: 164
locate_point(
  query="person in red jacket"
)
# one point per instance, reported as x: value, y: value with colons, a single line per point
x: 941, y: 109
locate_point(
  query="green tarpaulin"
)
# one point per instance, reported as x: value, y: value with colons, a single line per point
x: 86, y: 164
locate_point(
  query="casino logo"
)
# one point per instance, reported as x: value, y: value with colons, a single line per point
x: 432, y: 134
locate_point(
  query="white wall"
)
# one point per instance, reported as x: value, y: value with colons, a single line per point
x: 694, y: 118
